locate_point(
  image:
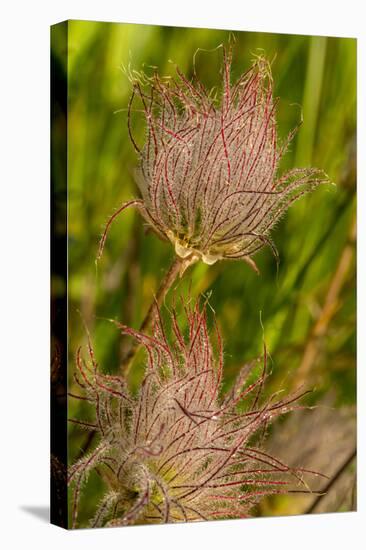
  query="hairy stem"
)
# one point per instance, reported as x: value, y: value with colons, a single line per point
x: 178, y: 266
x: 167, y: 282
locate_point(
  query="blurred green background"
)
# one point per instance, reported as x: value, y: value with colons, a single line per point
x: 307, y: 308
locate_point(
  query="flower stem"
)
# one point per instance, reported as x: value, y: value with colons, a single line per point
x: 179, y: 265
x: 167, y: 282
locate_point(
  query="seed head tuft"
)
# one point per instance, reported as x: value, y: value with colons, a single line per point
x: 179, y: 450
x: 208, y: 171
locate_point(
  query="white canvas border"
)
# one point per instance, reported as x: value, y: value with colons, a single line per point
x: 25, y: 270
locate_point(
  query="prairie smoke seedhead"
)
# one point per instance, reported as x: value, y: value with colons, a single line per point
x: 208, y: 168
x: 178, y: 451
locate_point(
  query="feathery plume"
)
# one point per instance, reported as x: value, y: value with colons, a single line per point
x: 179, y: 450
x: 208, y: 171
